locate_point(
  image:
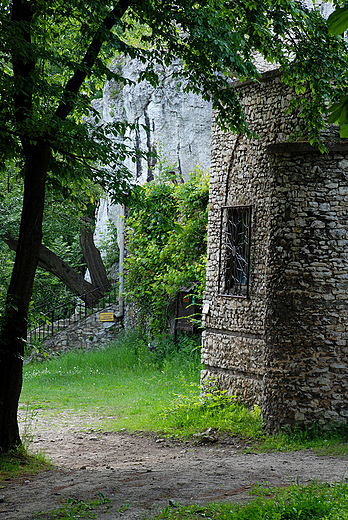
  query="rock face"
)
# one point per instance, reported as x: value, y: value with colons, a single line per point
x: 175, y: 124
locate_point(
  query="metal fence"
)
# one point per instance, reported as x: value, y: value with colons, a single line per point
x: 234, y: 259
x: 46, y: 320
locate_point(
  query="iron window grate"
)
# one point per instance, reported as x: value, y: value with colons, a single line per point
x: 234, y: 257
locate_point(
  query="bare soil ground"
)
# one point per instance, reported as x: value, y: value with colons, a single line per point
x: 141, y: 473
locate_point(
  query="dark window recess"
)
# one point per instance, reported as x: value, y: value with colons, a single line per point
x: 234, y: 261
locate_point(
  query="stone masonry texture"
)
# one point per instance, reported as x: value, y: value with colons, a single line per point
x: 285, y: 347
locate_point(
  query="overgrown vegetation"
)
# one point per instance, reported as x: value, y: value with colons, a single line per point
x: 61, y: 224
x: 188, y: 414
x: 137, y: 384
x: 316, y: 501
x: 167, y: 240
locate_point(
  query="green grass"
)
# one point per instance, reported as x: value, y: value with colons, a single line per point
x: 316, y: 501
x: 19, y: 463
x: 188, y: 414
x: 329, y: 441
x: 126, y: 384
x: 129, y: 386
x: 75, y: 509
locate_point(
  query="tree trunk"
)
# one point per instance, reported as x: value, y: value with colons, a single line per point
x: 92, y: 255
x: 56, y: 266
x: 13, y: 331
x: 36, y: 151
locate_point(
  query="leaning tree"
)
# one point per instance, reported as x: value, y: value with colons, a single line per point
x: 55, y: 54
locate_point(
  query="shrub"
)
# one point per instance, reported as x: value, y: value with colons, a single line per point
x: 166, y: 241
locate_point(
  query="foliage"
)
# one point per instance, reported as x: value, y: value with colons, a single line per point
x: 212, y: 40
x: 190, y: 413
x: 338, y: 24
x: 108, y: 245
x: 166, y: 249
x: 297, y: 502
x: 55, y: 55
x: 61, y: 224
x: 338, y: 20
x: 75, y: 509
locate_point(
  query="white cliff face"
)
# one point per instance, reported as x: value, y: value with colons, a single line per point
x: 175, y: 124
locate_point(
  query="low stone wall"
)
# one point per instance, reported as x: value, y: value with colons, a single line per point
x: 87, y: 333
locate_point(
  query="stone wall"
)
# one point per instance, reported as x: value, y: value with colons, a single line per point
x: 87, y: 333
x: 284, y: 347
x: 307, y: 314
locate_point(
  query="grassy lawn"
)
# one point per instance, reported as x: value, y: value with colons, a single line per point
x: 126, y: 384
x: 131, y: 386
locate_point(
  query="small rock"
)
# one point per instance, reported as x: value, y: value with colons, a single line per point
x: 160, y: 440
x: 83, y: 467
x: 2, y: 499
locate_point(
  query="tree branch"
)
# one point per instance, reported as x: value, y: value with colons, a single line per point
x: 23, y: 67
x: 56, y: 266
x: 75, y: 82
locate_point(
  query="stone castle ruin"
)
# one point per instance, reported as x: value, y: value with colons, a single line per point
x: 275, y: 308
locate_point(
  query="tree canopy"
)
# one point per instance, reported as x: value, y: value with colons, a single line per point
x: 54, y: 56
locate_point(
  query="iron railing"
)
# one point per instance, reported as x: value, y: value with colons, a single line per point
x: 45, y: 320
x: 234, y: 261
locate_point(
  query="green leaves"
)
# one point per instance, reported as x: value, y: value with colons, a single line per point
x: 166, y: 246
x: 339, y: 115
x: 215, y: 44
x: 338, y: 20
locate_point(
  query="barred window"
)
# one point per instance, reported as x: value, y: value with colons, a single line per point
x: 234, y: 260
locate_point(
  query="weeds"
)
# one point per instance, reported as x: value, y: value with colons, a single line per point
x: 328, y: 441
x: 75, y: 509
x: 18, y: 462
x: 189, y: 413
x: 316, y: 501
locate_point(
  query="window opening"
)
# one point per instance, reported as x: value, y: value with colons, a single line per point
x: 234, y: 260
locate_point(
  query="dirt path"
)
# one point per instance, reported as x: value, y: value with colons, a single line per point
x: 140, y: 473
